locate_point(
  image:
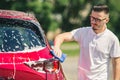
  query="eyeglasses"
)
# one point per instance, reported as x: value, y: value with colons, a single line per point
x: 96, y: 19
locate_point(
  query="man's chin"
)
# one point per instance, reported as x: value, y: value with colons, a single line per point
x: 94, y: 28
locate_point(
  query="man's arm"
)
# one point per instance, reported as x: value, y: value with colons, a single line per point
x: 116, y: 68
x: 59, y: 40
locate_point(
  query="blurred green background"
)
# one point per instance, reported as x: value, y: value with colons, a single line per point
x: 70, y: 48
x: 56, y: 16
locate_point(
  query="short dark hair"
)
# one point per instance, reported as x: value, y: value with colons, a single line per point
x: 100, y: 8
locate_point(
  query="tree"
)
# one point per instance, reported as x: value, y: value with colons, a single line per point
x: 115, y: 17
x: 70, y: 12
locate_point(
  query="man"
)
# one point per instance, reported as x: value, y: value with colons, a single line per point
x: 98, y: 45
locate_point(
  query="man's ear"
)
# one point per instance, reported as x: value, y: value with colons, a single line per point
x: 107, y: 20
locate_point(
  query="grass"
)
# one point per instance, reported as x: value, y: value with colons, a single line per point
x: 70, y: 48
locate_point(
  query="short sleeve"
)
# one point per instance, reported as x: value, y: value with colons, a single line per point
x: 115, y: 48
x: 76, y: 34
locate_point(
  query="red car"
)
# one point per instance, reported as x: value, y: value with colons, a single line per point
x: 24, y: 50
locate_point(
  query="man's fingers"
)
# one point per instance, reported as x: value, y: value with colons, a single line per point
x: 58, y: 52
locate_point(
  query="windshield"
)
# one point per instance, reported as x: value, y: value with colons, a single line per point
x: 16, y: 38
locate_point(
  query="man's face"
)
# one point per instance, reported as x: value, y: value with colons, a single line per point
x: 98, y: 20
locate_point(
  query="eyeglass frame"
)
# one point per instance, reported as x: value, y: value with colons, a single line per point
x: 96, y: 19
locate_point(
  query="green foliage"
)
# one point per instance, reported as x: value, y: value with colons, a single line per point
x: 70, y: 11
x: 5, y: 4
x: 114, y: 16
x: 62, y: 2
x: 115, y: 4
x: 43, y: 11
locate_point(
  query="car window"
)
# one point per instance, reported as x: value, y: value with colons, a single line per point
x: 16, y: 38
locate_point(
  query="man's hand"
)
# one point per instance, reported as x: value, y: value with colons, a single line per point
x: 57, y: 51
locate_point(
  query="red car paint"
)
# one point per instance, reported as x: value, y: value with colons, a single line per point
x: 12, y: 65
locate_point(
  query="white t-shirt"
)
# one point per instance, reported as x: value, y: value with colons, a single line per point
x: 95, y: 52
